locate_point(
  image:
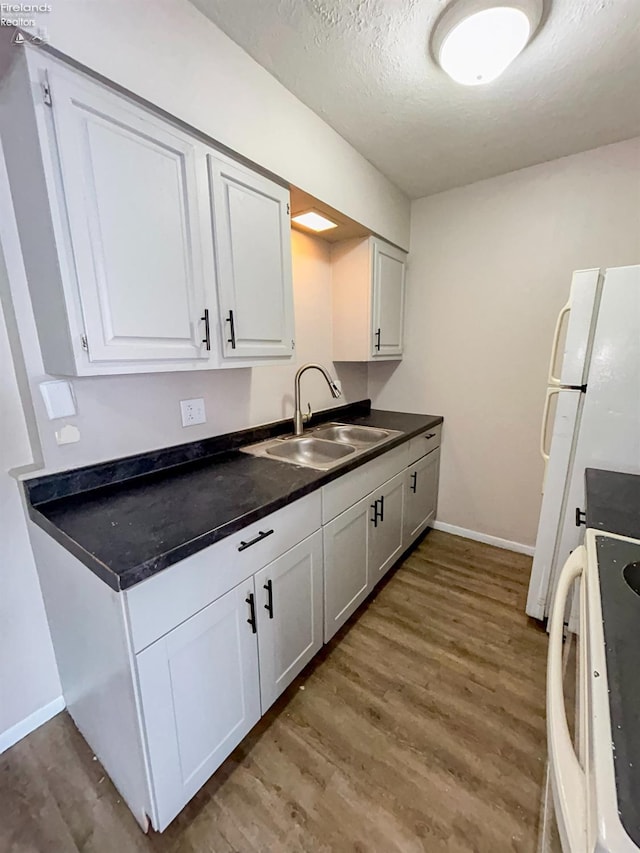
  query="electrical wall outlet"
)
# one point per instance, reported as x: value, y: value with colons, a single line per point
x: 193, y: 412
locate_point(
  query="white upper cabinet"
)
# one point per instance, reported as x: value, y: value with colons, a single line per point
x: 143, y: 250
x: 131, y: 196
x: 389, y: 266
x: 368, y: 300
x: 253, y: 253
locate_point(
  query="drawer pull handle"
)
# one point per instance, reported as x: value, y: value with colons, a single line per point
x: 378, y: 344
x: 252, y: 611
x: 430, y: 435
x: 414, y: 484
x: 269, y: 605
x: 262, y: 534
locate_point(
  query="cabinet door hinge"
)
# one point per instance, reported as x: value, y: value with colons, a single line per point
x: 84, y: 342
x: 293, y: 344
x: 46, y: 90
x: 288, y: 208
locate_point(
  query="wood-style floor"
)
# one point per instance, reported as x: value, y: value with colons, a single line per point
x: 419, y: 728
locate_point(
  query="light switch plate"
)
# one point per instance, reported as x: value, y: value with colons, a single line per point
x: 58, y: 399
x: 193, y: 412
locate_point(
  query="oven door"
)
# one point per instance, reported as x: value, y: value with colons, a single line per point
x: 567, y: 717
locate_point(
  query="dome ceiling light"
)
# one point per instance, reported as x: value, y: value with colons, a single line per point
x: 474, y: 41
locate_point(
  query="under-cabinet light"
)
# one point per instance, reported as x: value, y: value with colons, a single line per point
x: 313, y: 220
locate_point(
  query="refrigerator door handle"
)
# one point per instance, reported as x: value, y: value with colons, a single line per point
x: 545, y: 423
x: 555, y: 380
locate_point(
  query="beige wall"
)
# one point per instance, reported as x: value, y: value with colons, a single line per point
x: 490, y: 267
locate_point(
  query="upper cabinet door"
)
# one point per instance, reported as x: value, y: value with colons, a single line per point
x: 130, y: 188
x: 388, y: 270
x: 253, y: 252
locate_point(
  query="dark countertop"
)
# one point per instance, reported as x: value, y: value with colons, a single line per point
x: 129, y: 519
x: 613, y: 502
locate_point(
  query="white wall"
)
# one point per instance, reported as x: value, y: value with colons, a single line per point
x: 169, y: 53
x: 490, y: 267
x: 28, y: 675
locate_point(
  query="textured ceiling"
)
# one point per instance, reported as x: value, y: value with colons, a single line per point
x: 363, y: 66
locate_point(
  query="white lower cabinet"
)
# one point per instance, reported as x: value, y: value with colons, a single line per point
x: 385, y: 536
x: 204, y: 662
x: 420, y: 495
x: 200, y: 696
x: 289, y: 616
x: 346, y: 564
x: 360, y: 545
x: 205, y: 684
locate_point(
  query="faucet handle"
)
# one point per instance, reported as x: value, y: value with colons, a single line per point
x: 307, y: 415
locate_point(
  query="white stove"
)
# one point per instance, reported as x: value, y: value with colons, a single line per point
x: 594, y: 774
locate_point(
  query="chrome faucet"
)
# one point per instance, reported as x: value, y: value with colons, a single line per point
x: 300, y: 419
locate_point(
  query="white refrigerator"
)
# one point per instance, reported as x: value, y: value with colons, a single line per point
x: 596, y: 385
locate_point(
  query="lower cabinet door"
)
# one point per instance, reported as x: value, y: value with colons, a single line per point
x: 420, y: 495
x: 289, y: 612
x: 346, y: 575
x: 385, y: 534
x: 200, y: 695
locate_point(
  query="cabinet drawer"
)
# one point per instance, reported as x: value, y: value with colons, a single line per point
x: 157, y: 605
x: 260, y: 543
x: 349, y: 489
x: 427, y: 441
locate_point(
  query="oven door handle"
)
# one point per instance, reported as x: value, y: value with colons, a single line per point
x: 567, y: 776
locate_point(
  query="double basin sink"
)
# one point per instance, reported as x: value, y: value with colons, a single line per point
x: 325, y: 446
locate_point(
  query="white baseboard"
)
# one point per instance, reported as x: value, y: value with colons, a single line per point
x: 518, y: 547
x: 30, y: 723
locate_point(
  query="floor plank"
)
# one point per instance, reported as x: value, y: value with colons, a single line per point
x: 420, y: 727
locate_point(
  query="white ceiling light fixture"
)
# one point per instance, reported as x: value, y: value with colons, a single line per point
x: 474, y: 41
x: 313, y: 220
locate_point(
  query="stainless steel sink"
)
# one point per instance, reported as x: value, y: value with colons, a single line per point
x: 324, y: 447
x: 308, y: 450
x: 351, y: 434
